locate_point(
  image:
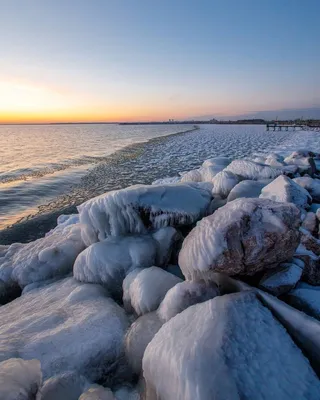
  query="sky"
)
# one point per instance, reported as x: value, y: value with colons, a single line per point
x: 144, y: 60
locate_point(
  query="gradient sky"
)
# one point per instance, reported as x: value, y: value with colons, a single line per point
x: 115, y: 60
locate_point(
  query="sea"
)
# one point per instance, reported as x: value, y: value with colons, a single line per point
x: 47, y: 170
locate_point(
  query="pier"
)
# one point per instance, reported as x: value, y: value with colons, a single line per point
x: 278, y: 127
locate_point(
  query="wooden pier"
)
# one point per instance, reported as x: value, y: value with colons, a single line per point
x: 278, y: 127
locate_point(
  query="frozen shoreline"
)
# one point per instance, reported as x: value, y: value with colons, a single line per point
x: 145, y: 290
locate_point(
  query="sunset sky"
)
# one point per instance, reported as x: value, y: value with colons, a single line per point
x: 115, y: 60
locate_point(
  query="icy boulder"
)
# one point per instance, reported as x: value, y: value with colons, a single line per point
x: 139, y: 335
x: 284, y: 189
x: 45, y: 258
x: 184, y: 295
x: 217, y: 161
x: 19, y: 379
x: 148, y: 289
x: 305, y: 298
x: 253, y: 171
x: 311, y: 223
x: 202, y: 174
x: 68, y: 326
x: 67, y: 386
x: 275, y: 160
x: 282, y: 279
x: 248, y: 189
x: 243, y: 237
x: 109, y: 262
x: 305, y: 164
x: 140, y: 208
x: 231, y: 348
x: 311, y: 185
x: 224, y: 182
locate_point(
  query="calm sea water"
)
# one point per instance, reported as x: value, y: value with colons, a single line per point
x: 49, y: 169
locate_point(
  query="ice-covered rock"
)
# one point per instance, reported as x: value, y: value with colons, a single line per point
x: 202, y: 174
x: 19, y: 379
x: 275, y: 160
x: 282, y: 279
x: 126, y: 393
x: 311, y: 223
x: 311, y: 269
x: 312, y: 185
x: 148, y: 288
x: 216, y: 203
x: 230, y: 347
x: 45, y: 258
x: 68, y: 326
x: 184, y: 295
x: 284, y: 189
x: 97, y: 392
x: 109, y: 262
x: 126, y: 298
x: 243, y: 237
x: 248, y: 189
x: 139, y: 335
x: 310, y: 242
x: 306, y: 165
x: 67, y: 386
x: 224, y: 182
x: 217, y: 161
x: 140, y: 208
x: 306, y: 298
x: 250, y: 170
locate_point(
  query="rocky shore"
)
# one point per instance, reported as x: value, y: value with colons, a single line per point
x: 197, y: 287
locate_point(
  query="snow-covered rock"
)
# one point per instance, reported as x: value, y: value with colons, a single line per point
x: 250, y: 170
x: 109, y: 262
x: 19, y: 379
x: 306, y: 165
x: 97, y: 392
x: 312, y: 185
x: 139, y: 335
x: 282, y: 279
x: 311, y: 223
x: 231, y: 348
x: 184, y: 295
x: 148, y: 288
x: 224, y: 182
x: 243, y: 237
x: 217, y: 161
x: 216, y: 203
x: 275, y: 160
x: 140, y: 208
x: 306, y: 298
x: 248, y: 189
x: 284, y: 189
x: 68, y: 326
x: 67, y: 386
x: 202, y: 174
x: 45, y: 258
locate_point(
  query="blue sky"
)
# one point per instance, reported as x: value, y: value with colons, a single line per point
x: 113, y: 59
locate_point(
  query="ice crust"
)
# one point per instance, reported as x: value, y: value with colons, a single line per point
x: 219, y: 350
x: 68, y: 326
x: 138, y: 208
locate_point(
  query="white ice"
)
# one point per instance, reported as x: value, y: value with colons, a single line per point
x: 68, y: 326
x: 284, y: 189
x: 141, y: 207
x: 19, y: 379
x: 148, y: 288
x: 224, y: 182
x: 311, y: 185
x: 230, y: 347
x: 248, y: 189
x: 184, y: 295
x: 45, y: 258
x: 253, y: 171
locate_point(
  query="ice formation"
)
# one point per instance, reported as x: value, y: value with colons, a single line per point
x: 217, y: 161
x: 68, y: 326
x: 148, y: 289
x: 312, y: 185
x: 219, y: 350
x: 44, y: 258
x: 243, y: 237
x: 139, y: 335
x: 140, y: 208
x: 248, y: 189
x: 184, y: 295
x: 19, y: 379
x: 67, y: 386
x: 224, y: 182
x: 250, y: 170
x: 109, y: 262
x: 284, y: 189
